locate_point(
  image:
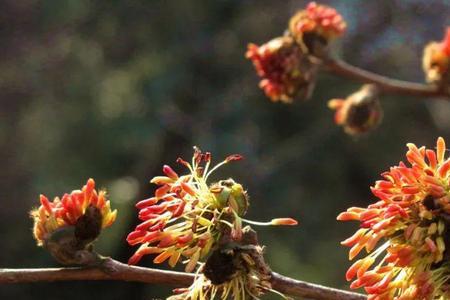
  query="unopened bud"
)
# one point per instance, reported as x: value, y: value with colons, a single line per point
x: 68, y: 226
x: 360, y: 112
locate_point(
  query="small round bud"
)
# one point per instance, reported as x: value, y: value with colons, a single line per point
x: 360, y: 112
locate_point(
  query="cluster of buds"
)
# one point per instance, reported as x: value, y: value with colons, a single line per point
x: 314, y: 27
x: 286, y: 73
x: 436, y: 61
x: 358, y: 113
x: 188, y: 218
x: 412, y: 217
x: 67, y: 226
x: 285, y: 64
x: 235, y: 270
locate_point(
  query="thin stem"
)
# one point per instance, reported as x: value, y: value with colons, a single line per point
x: 257, y: 222
x: 385, y: 84
x: 114, y: 270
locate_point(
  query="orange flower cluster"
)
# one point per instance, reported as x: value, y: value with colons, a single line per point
x: 412, y: 217
x: 283, y: 70
x: 182, y: 218
x: 320, y: 21
x: 436, y: 61
x: 186, y: 216
x: 68, y: 210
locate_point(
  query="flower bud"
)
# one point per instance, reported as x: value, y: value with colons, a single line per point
x: 229, y: 193
x: 436, y: 61
x: 314, y: 27
x: 360, y: 112
x: 286, y: 73
x: 67, y: 227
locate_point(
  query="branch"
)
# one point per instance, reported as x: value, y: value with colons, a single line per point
x: 385, y: 84
x: 308, y: 290
x: 114, y: 270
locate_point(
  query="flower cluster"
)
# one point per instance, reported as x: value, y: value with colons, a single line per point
x: 71, y: 210
x: 285, y: 65
x: 285, y: 72
x: 360, y: 112
x: 412, y: 217
x: 436, y: 61
x: 186, y: 216
x: 316, y: 24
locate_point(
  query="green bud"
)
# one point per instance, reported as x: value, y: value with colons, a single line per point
x: 229, y: 193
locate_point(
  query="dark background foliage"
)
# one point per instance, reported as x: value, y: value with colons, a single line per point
x: 114, y: 89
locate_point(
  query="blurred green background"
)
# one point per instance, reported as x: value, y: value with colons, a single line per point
x: 114, y: 89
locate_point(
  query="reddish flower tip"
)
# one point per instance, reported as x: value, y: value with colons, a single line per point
x: 234, y: 157
x: 170, y: 172
x: 284, y: 221
x: 90, y: 183
x: 446, y: 42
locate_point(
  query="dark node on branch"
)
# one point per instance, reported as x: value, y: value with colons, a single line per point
x: 72, y: 245
x: 68, y: 250
x: 89, y: 225
x: 315, y: 44
x: 359, y: 115
x: 220, y: 266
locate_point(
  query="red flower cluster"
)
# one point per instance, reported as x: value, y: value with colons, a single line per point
x: 436, y: 60
x: 284, y: 71
x: 284, y: 64
x: 66, y: 211
x: 412, y: 217
x: 320, y: 20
